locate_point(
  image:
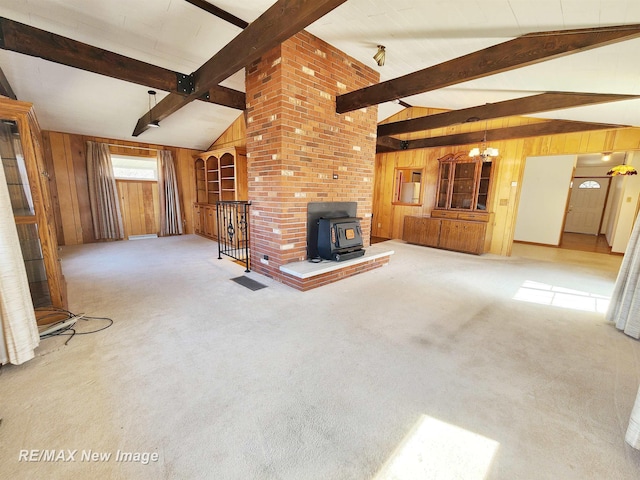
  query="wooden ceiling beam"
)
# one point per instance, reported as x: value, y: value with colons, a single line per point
x: 551, y: 127
x: 389, y: 144
x: 544, y: 102
x: 522, y: 51
x: 220, y: 13
x: 27, y: 40
x: 282, y: 20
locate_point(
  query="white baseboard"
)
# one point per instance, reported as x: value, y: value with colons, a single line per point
x: 142, y: 237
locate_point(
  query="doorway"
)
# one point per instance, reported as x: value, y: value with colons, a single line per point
x: 585, y: 213
x: 587, y: 198
x: 545, y: 199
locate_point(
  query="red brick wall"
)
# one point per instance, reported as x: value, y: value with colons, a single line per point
x: 296, y: 143
x: 305, y: 284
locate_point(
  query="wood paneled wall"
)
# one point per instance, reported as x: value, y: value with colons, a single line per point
x: 388, y: 218
x: 140, y: 207
x: 65, y: 154
x: 234, y: 136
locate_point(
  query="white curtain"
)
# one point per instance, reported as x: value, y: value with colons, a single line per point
x: 19, y: 331
x: 633, y: 430
x: 624, y: 311
x: 103, y: 193
x: 170, y: 216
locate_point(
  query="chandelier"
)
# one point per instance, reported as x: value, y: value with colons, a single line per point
x: 484, y: 152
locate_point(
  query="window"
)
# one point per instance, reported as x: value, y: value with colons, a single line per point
x: 127, y: 167
x: 408, y: 186
x: 589, y: 184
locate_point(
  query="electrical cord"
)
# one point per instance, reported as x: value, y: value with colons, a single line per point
x: 69, y: 330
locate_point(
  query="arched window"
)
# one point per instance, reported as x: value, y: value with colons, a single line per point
x: 589, y: 184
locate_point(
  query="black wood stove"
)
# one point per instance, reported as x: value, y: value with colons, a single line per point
x: 333, y: 231
x: 340, y: 238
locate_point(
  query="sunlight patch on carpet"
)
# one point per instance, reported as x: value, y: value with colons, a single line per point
x: 545, y: 294
x: 435, y: 450
x: 250, y: 283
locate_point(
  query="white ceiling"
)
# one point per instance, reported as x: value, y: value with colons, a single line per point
x: 416, y: 33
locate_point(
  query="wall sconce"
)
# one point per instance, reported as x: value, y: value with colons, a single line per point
x: 152, y: 123
x: 380, y: 55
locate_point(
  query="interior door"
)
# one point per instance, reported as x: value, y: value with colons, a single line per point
x: 586, y: 204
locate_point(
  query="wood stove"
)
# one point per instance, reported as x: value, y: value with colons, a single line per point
x: 340, y: 238
x: 333, y: 231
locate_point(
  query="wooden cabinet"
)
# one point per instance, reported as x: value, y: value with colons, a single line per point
x: 470, y: 235
x: 221, y: 175
x: 461, y: 220
x: 463, y: 183
x: 28, y: 185
x: 460, y: 217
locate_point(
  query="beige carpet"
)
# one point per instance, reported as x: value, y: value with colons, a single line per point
x: 438, y: 365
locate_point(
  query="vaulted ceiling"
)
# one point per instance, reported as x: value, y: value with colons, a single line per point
x: 180, y: 36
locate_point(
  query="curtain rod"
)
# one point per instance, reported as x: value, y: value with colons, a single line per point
x: 133, y: 148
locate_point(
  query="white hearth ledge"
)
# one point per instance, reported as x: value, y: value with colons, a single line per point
x: 308, y: 269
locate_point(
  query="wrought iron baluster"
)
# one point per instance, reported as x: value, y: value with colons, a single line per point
x: 233, y: 230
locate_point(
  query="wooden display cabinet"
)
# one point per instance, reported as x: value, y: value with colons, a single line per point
x: 461, y: 220
x: 28, y: 184
x: 463, y: 183
x: 221, y: 175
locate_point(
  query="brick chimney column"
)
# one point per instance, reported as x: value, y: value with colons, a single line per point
x: 299, y: 150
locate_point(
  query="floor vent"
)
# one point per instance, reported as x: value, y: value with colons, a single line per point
x: 250, y: 283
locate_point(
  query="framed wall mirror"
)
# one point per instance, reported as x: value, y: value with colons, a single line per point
x: 408, y: 186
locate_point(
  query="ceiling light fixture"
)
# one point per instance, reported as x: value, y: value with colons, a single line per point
x: 380, y: 55
x: 622, y: 170
x: 152, y: 123
x: 606, y: 156
x: 486, y: 153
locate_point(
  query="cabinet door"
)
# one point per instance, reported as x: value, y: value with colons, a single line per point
x: 197, y: 219
x: 443, y: 185
x: 449, y: 234
x: 462, y: 236
x: 412, y: 229
x: 421, y: 231
x: 464, y: 185
x: 482, y: 202
x: 430, y: 235
x: 210, y: 223
x: 471, y: 237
